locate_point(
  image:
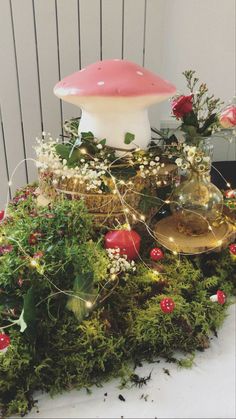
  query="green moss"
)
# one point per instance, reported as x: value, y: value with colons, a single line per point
x: 127, y: 326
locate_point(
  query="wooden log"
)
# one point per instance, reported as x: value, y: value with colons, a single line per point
x: 168, y: 235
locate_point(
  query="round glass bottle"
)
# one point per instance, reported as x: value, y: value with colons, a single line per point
x: 196, y: 203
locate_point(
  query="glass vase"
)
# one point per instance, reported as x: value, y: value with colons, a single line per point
x: 196, y: 203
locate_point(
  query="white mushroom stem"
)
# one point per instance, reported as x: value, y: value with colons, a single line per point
x: 114, y: 125
x: 112, y: 117
x: 214, y: 298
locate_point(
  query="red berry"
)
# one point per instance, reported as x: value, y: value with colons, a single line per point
x: 2, y: 213
x: 232, y: 248
x: 156, y: 254
x: 167, y: 305
x: 4, y: 341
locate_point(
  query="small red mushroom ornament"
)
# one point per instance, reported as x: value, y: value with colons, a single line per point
x: 4, y: 342
x: 156, y: 254
x: 232, y: 249
x: 167, y: 305
x: 127, y: 241
x: 219, y: 297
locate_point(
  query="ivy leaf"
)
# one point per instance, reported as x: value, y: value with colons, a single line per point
x: 83, y: 288
x: 63, y: 151
x: 103, y: 142
x: 74, y: 157
x: 87, y: 135
x: 129, y: 137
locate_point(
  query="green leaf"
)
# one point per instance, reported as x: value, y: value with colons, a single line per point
x: 74, y: 156
x: 129, y: 137
x: 87, y: 136
x: 29, y: 308
x: 190, y: 118
x: 83, y: 290
x: 103, y: 142
x: 63, y: 150
x: 28, y: 316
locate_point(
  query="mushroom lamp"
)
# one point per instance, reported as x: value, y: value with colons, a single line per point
x: 114, y: 96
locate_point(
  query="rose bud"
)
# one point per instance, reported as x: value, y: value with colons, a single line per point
x: 182, y: 105
x: 228, y: 117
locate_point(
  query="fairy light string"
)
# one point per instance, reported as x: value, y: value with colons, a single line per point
x: 127, y: 210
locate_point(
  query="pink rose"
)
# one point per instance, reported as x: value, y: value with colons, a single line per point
x: 228, y: 117
x: 182, y: 105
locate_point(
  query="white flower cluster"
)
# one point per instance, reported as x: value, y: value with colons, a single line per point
x: 46, y: 153
x: 90, y: 172
x: 119, y: 263
x: 193, y: 157
x: 149, y: 167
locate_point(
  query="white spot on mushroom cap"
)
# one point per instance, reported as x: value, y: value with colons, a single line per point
x: 139, y: 73
x: 100, y: 83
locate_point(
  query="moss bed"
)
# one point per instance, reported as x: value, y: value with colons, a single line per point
x: 58, y: 352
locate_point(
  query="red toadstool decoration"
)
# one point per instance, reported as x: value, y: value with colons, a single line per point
x: 167, y: 305
x: 219, y: 297
x: 232, y: 249
x: 114, y: 96
x: 156, y: 254
x: 4, y: 342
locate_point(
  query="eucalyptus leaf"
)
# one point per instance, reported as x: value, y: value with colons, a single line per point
x: 129, y: 137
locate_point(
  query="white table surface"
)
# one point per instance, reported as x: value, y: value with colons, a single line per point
x: 205, y: 391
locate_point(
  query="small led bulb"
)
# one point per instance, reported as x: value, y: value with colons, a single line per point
x: 88, y: 304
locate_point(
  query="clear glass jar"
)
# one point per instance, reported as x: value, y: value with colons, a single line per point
x: 196, y: 203
x: 206, y: 145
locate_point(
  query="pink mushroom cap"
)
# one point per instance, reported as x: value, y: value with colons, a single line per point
x: 113, y: 78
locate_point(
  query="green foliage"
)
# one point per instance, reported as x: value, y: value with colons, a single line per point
x: 129, y: 137
x: 203, y: 119
x: 127, y: 326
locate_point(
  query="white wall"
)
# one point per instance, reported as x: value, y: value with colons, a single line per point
x: 200, y: 35
x: 44, y: 40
